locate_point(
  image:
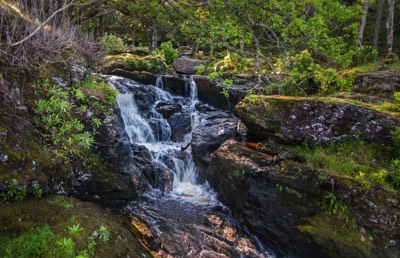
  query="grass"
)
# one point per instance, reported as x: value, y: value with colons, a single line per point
x: 368, y: 164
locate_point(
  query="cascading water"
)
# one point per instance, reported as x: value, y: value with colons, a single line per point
x: 157, y: 138
x: 189, y: 221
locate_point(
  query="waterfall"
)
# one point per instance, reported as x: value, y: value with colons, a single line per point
x: 153, y: 131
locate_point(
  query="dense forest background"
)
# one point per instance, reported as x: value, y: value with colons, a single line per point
x: 337, y: 33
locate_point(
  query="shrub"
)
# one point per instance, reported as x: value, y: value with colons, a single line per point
x: 302, y: 68
x: 168, y: 52
x: 113, y: 44
x: 61, y: 112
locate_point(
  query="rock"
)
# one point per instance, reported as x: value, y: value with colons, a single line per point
x: 215, y: 127
x: 142, y: 76
x: 246, y: 182
x: 180, y: 124
x: 186, y: 65
x: 185, y: 51
x: 280, y: 201
x: 172, y: 230
x: 168, y: 108
x: 3, y: 158
x: 294, y: 120
x: 377, y: 82
x: 210, y: 93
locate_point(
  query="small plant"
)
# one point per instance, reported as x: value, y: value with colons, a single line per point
x: 66, y: 247
x: 280, y: 187
x: 12, y: 191
x: 104, y: 235
x: 201, y: 69
x: 361, y: 179
x: 61, y: 201
x: 21, y: 194
x: 91, y: 246
x: 75, y: 230
x: 37, y: 191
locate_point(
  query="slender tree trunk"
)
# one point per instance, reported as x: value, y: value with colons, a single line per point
x: 363, y: 21
x: 154, y: 38
x: 378, y: 24
x: 390, y: 26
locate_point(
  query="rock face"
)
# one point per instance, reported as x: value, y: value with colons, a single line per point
x: 215, y: 127
x: 186, y: 65
x: 378, y: 82
x: 194, y: 231
x: 279, y: 200
x: 316, y: 120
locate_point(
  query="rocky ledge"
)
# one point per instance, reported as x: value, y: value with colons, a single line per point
x: 294, y: 120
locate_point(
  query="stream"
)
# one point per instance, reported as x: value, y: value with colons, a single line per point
x: 187, y: 220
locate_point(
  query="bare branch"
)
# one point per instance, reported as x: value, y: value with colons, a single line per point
x: 65, y: 6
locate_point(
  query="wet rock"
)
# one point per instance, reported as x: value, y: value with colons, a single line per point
x: 316, y: 120
x: 215, y: 127
x: 279, y: 200
x: 195, y: 231
x: 180, y: 124
x: 186, y: 65
x: 168, y: 108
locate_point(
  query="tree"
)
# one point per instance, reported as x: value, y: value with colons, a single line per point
x: 378, y: 24
x: 390, y: 25
x: 363, y: 21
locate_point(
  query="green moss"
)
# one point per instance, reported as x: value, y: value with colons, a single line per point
x: 338, y: 241
x: 50, y: 222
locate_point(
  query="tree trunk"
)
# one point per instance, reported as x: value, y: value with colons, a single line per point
x: 390, y: 26
x: 363, y: 21
x: 154, y: 38
x: 378, y: 24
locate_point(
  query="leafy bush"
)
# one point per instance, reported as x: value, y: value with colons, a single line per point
x: 302, y: 68
x: 168, y: 52
x: 113, y: 44
x: 42, y: 242
x: 61, y: 112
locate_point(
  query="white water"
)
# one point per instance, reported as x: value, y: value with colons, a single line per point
x: 158, y: 140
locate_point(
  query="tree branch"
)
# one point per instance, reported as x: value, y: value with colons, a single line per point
x: 65, y: 6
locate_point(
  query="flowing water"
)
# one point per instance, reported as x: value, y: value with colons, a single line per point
x: 182, y: 215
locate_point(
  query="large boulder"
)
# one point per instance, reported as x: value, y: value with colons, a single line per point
x: 215, y: 127
x: 316, y: 120
x: 186, y: 65
x: 279, y: 200
x: 378, y: 82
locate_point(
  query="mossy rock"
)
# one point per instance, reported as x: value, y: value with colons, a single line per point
x: 17, y: 218
x: 130, y: 62
x: 293, y: 120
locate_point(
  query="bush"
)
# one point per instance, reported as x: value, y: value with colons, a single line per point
x: 302, y: 68
x: 168, y: 52
x: 113, y: 44
x: 61, y: 113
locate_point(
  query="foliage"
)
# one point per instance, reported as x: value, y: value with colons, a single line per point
x: 43, y: 242
x: 14, y: 191
x: 168, y: 52
x: 351, y: 157
x: 302, y: 68
x: 150, y: 64
x: 61, y: 112
x: 37, y: 191
x: 113, y: 44
x: 61, y: 201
